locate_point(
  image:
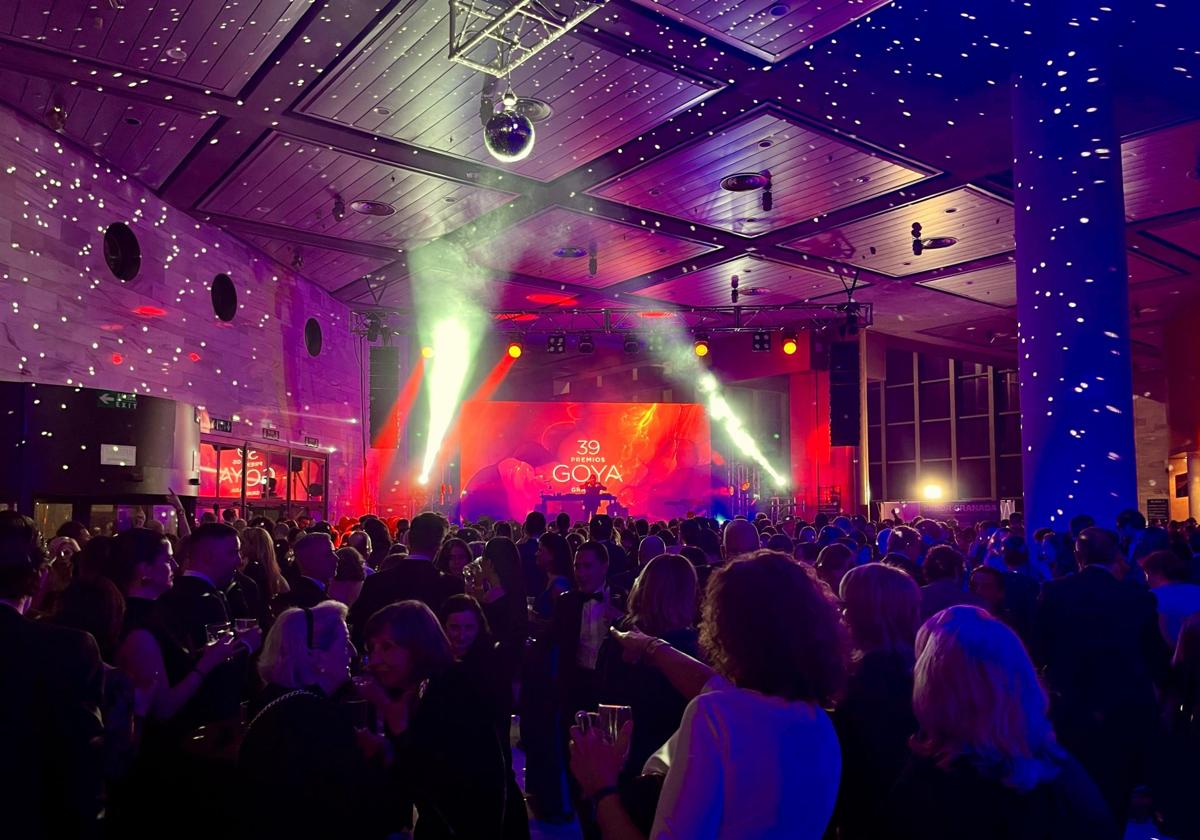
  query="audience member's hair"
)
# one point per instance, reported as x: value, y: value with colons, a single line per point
x: 695, y: 555
x: 535, y: 524
x: 75, y: 530
x: 1096, y: 547
x: 976, y: 695
x: 95, y: 606
x: 770, y: 626
x: 426, y: 533
x: 414, y: 627
x: 351, y: 565
x: 832, y: 563
x: 944, y: 562
x: 21, y: 556
x: 598, y: 550
x: 130, y: 550
x: 1167, y: 564
x: 883, y: 608
x: 285, y: 658
x: 258, y: 547
x: 781, y: 543
x: 663, y: 597
x: 560, y: 554
x: 465, y: 603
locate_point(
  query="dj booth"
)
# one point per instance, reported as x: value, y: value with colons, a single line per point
x: 572, y: 504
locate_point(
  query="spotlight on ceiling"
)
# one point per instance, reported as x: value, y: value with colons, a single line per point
x: 374, y: 328
x: 367, y: 207
x: 654, y: 343
x: 339, y: 208
x: 515, y: 348
x: 790, y: 344
x: 556, y: 343
x: 933, y: 243
x: 734, y: 282
x: 587, y: 344
x: 509, y: 134
x: 593, y: 264
x: 761, y: 342
x: 631, y: 344
x: 700, y: 347
x: 849, y: 327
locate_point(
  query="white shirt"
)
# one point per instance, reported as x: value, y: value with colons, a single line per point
x: 747, y: 766
x: 593, y: 627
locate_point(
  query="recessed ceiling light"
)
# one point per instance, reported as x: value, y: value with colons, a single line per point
x: 132, y: 121
x: 382, y: 111
x: 951, y: 209
x: 535, y: 110
x: 745, y: 182
x: 779, y: 10
x: 177, y: 54
x: 936, y: 242
x: 766, y: 144
x: 569, y: 252
x: 366, y: 207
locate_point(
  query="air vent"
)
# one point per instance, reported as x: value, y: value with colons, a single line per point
x: 371, y: 208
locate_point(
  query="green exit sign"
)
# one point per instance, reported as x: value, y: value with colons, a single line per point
x: 117, y: 399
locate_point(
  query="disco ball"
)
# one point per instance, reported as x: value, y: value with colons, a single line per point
x: 508, y: 135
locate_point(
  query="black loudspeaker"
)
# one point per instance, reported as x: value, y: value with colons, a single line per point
x: 384, y: 388
x: 844, y: 405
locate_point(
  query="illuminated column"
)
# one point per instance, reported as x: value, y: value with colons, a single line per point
x: 1072, y: 281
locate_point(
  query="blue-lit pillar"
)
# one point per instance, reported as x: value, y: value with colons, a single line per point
x: 1072, y: 281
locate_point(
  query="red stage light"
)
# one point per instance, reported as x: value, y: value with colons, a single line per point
x: 195, y: 357
x: 654, y: 314
x: 515, y: 316
x: 551, y: 299
x: 149, y: 311
x: 117, y: 358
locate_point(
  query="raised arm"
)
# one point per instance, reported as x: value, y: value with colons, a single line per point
x: 688, y: 676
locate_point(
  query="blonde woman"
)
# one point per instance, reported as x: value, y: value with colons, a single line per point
x: 985, y: 761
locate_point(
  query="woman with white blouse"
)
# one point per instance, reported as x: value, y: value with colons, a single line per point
x: 756, y: 755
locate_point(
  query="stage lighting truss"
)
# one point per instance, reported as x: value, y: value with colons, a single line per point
x: 496, y: 37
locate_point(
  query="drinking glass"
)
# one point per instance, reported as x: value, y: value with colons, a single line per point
x: 218, y: 632
x: 587, y: 721
x: 611, y: 719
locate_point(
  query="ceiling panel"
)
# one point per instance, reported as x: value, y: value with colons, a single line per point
x: 292, y: 183
x: 811, y: 174
x: 982, y: 224
x: 761, y: 282
x: 767, y: 28
x: 622, y: 251
x: 1159, y: 301
x: 142, y: 140
x: 401, y: 84
x: 1161, y: 171
x: 997, y: 332
x: 996, y: 285
x: 326, y: 267
x: 215, y: 45
x: 1185, y: 235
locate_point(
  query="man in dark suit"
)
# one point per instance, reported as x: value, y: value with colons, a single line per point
x: 317, y: 565
x: 51, y: 772
x: 196, y: 600
x: 412, y: 578
x: 600, y: 530
x: 1097, y: 638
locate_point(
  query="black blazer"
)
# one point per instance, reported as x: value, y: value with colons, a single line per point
x: 565, y: 626
x: 411, y: 579
x: 304, y: 593
x: 1097, y: 639
x: 188, y: 607
x: 51, y: 773
x: 303, y: 773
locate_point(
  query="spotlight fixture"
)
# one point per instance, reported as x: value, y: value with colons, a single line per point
x: 750, y: 181
x: 761, y: 342
x: 374, y: 327
x: 556, y: 343
x: 509, y: 134
x: 297, y: 258
x: 768, y: 201
x: 654, y: 343
x: 366, y: 207
x: 700, y: 347
x: 427, y: 352
x: 593, y: 264
x: 339, y: 208
x: 734, y: 282
x: 790, y: 344
x: 515, y: 348
x: 849, y: 327
x: 587, y: 344
x: 933, y: 243
x: 631, y: 344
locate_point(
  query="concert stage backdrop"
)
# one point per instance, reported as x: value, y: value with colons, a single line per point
x: 654, y: 458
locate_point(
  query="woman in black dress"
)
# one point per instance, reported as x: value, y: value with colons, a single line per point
x: 874, y: 718
x: 448, y: 758
x: 300, y: 764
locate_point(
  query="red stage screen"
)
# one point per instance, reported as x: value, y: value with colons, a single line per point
x: 653, y: 458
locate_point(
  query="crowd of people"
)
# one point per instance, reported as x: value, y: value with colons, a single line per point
x: 839, y: 678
